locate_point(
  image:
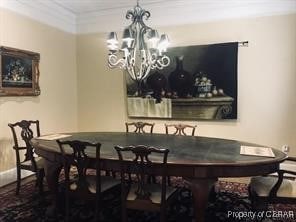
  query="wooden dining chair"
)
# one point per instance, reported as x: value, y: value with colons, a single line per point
x: 86, y: 186
x: 180, y: 129
x: 22, y: 133
x: 139, y: 127
x: 141, y: 195
x: 272, y: 189
x: 183, y: 130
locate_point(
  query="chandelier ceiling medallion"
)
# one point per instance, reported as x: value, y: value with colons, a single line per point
x: 141, y: 49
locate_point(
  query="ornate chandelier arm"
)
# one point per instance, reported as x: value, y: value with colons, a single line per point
x: 131, y: 61
x: 131, y: 72
x: 144, y: 52
x: 143, y: 63
x: 145, y: 67
x: 162, y: 62
x: 148, y: 68
x: 153, y: 59
x: 114, y: 62
x: 131, y: 69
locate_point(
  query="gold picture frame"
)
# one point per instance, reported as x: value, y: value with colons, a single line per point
x: 19, y: 72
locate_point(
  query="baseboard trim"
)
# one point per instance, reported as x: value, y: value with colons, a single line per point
x: 9, y: 176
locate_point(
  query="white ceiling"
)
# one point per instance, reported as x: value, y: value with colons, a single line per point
x: 85, y: 16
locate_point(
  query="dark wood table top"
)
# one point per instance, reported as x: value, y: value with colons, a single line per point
x: 198, y: 156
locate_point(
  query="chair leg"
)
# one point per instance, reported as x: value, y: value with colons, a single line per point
x: 212, y: 195
x: 67, y: 195
x: 96, y: 214
x: 18, y: 180
x: 123, y: 214
x: 97, y: 207
x: 152, y: 179
x: 110, y: 173
x: 162, y: 215
x: 40, y: 177
x: 260, y: 206
x: 67, y: 208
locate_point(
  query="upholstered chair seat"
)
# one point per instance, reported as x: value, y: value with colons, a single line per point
x: 39, y: 163
x: 107, y: 183
x: 263, y: 185
x: 154, y: 190
x: 272, y: 189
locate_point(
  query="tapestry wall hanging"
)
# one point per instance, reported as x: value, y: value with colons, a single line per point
x: 19, y: 72
x: 199, y: 84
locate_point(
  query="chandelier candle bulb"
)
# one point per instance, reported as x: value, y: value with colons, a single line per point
x: 112, y: 39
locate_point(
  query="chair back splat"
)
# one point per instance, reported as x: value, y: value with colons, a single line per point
x: 143, y: 161
x: 22, y: 133
x: 180, y: 129
x: 139, y: 127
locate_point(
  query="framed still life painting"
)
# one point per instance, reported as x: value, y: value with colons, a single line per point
x: 199, y: 84
x: 19, y: 72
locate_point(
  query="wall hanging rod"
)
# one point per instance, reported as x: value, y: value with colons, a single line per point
x: 243, y: 43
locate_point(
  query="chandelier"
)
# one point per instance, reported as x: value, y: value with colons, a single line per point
x: 141, y: 49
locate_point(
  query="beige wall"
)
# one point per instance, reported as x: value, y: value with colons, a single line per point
x: 101, y: 98
x: 266, y: 80
x: 56, y: 107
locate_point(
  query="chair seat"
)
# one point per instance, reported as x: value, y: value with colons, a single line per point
x: 155, y: 191
x: 262, y: 186
x: 107, y: 183
x: 39, y: 163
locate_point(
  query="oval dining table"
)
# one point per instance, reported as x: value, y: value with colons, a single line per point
x: 199, y: 160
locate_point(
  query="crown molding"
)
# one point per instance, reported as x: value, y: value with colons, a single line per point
x: 43, y: 11
x: 163, y: 13
x: 185, y: 12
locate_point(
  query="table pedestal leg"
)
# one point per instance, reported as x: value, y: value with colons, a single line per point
x: 200, y: 189
x: 52, y: 171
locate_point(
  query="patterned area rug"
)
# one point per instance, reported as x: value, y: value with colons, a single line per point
x: 228, y: 197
